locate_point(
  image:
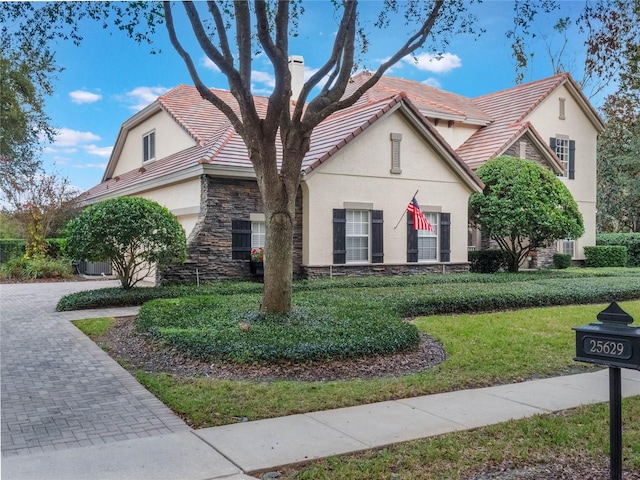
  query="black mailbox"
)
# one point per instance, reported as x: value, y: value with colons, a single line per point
x: 612, y: 342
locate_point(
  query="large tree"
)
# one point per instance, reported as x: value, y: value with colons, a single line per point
x: 524, y: 206
x: 230, y: 37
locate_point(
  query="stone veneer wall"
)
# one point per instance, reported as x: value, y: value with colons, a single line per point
x: 382, y: 269
x: 209, y: 244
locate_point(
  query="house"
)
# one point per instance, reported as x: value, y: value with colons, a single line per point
x: 362, y: 170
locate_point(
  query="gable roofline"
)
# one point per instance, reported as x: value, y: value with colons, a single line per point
x: 548, y: 155
x: 127, y: 125
x: 401, y: 103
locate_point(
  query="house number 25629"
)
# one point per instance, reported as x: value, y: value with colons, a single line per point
x: 607, y: 348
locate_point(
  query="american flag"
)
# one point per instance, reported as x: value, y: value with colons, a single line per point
x: 420, y: 222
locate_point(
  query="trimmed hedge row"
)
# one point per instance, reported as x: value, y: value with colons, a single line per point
x: 114, y: 297
x: 217, y: 328
x: 605, y: 256
x: 629, y: 240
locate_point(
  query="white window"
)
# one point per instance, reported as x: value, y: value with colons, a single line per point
x: 257, y: 234
x: 562, y: 151
x: 357, y: 236
x: 149, y: 147
x: 569, y: 247
x: 428, y: 240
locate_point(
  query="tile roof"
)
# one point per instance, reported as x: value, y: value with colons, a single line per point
x: 509, y: 109
x: 501, y: 117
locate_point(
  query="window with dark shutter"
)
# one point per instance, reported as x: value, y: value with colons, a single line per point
x: 412, y: 241
x: 445, y: 237
x: 339, y: 235
x: 240, y: 239
x: 572, y: 159
x: 377, y: 240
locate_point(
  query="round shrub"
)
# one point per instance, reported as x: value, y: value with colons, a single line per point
x: 561, y: 261
x: 230, y: 329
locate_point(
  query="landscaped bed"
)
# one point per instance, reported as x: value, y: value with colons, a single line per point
x: 454, y: 352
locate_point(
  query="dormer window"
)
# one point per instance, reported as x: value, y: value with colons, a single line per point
x: 149, y: 146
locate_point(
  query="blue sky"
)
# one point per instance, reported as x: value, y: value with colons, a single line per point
x: 109, y: 77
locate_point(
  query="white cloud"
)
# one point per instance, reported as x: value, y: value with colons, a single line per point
x: 208, y: 63
x: 434, y: 63
x: 100, y: 166
x: 432, y: 82
x: 82, y: 96
x: 71, y: 138
x: 263, y: 77
x: 143, y: 96
x: 104, y: 152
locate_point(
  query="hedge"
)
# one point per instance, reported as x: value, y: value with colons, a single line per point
x: 16, y: 247
x: 629, y: 240
x: 487, y: 261
x: 115, y: 296
x: 605, y: 256
x: 11, y: 247
x: 561, y: 261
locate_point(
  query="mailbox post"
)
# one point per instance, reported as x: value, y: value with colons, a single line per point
x: 615, y: 344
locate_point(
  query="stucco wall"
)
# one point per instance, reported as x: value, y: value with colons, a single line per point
x: 360, y: 173
x: 182, y: 199
x: 578, y: 127
x: 169, y: 137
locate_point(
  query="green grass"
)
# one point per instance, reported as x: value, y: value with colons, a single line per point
x: 482, y: 349
x: 94, y: 327
x: 581, y: 433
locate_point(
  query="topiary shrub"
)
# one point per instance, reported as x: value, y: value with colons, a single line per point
x: 561, y: 261
x: 605, y: 256
x: 487, y: 261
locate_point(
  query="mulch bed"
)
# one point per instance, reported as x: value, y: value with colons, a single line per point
x: 141, y: 352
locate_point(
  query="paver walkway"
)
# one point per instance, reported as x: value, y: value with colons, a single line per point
x: 59, y: 390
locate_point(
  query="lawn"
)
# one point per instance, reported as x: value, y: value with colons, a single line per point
x: 496, y: 347
x: 483, y: 349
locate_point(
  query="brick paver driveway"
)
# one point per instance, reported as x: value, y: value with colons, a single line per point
x: 59, y: 390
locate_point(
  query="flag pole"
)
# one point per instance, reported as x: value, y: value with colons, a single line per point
x: 405, y: 211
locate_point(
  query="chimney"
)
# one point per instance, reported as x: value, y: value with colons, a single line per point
x: 296, y: 67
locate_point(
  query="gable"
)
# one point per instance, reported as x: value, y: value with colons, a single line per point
x: 127, y: 154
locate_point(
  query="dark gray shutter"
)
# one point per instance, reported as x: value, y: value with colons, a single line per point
x: 572, y: 159
x: 445, y: 237
x: 377, y: 240
x: 552, y: 143
x: 339, y: 235
x: 412, y: 240
x: 240, y: 239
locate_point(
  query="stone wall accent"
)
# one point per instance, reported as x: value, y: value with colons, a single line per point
x: 209, y: 244
x: 531, y: 152
x: 380, y: 269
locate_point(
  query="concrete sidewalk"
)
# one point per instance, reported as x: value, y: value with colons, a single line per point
x: 265, y: 445
x: 90, y: 420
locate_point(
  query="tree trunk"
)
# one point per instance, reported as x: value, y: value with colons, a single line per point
x: 279, y: 197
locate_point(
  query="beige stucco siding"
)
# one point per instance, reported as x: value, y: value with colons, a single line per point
x: 182, y: 199
x: 169, y: 138
x: 456, y: 134
x: 577, y: 126
x: 360, y: 173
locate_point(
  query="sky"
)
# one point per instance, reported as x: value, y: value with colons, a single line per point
x: 108, y: 78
